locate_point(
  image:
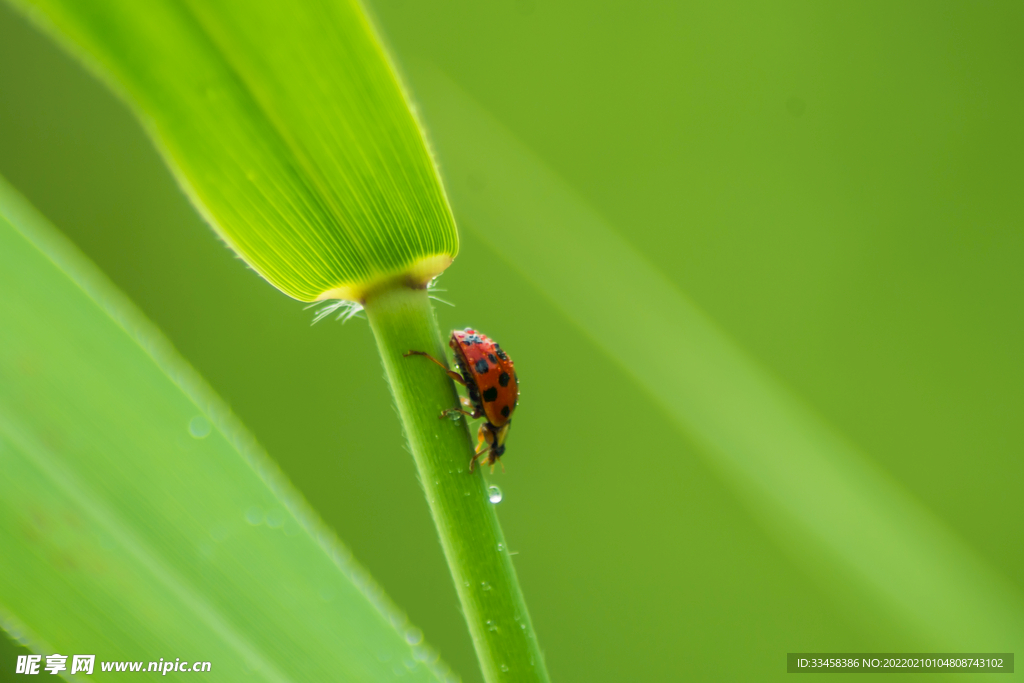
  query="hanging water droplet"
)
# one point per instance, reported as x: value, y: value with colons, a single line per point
x: 199, y: 427
x: 414, y: 636
x: 494, y: 494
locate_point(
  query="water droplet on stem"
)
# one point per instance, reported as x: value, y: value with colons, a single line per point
x: 199, y: 427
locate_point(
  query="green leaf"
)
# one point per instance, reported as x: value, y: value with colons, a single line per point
x: 840, y: 514
x: 138, y: 519
x: 286, y: 126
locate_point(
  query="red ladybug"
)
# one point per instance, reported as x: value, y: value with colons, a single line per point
x: 488, y: 374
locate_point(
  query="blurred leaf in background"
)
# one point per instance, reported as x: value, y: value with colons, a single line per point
x: 140, y: 521
x: 833, y: 185
x: 823, y: 496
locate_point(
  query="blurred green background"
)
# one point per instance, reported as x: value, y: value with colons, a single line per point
x: 837, y: 185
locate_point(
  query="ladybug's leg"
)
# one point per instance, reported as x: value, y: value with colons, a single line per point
x: 474, y: 413
x: 486, y: 459
x: 482, y: 440
x: 451, y: 373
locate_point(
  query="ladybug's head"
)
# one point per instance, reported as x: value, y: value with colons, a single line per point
x: 495, y: 437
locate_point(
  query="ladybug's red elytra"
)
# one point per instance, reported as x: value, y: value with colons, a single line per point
x: 490, y: 378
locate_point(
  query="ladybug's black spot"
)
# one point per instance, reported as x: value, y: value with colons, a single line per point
x: 503, y: 379
x: 481, y: 366
x: 501, y: 354
x: 491, y: 358
x: 491, y: 394
x: 505, y: 411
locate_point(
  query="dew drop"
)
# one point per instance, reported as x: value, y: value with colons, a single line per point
x: 522, y: 626
x: 491, y: 626
x: 414, y: 636
x: 485, y: 586
x: 199, y: 427
x: 275, y: 519
x: 254, y: 515
x: 504, y: 668
x: 494, y: 494
x: 501, y: 547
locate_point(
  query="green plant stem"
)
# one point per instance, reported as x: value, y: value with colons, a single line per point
x: 402, y: 320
